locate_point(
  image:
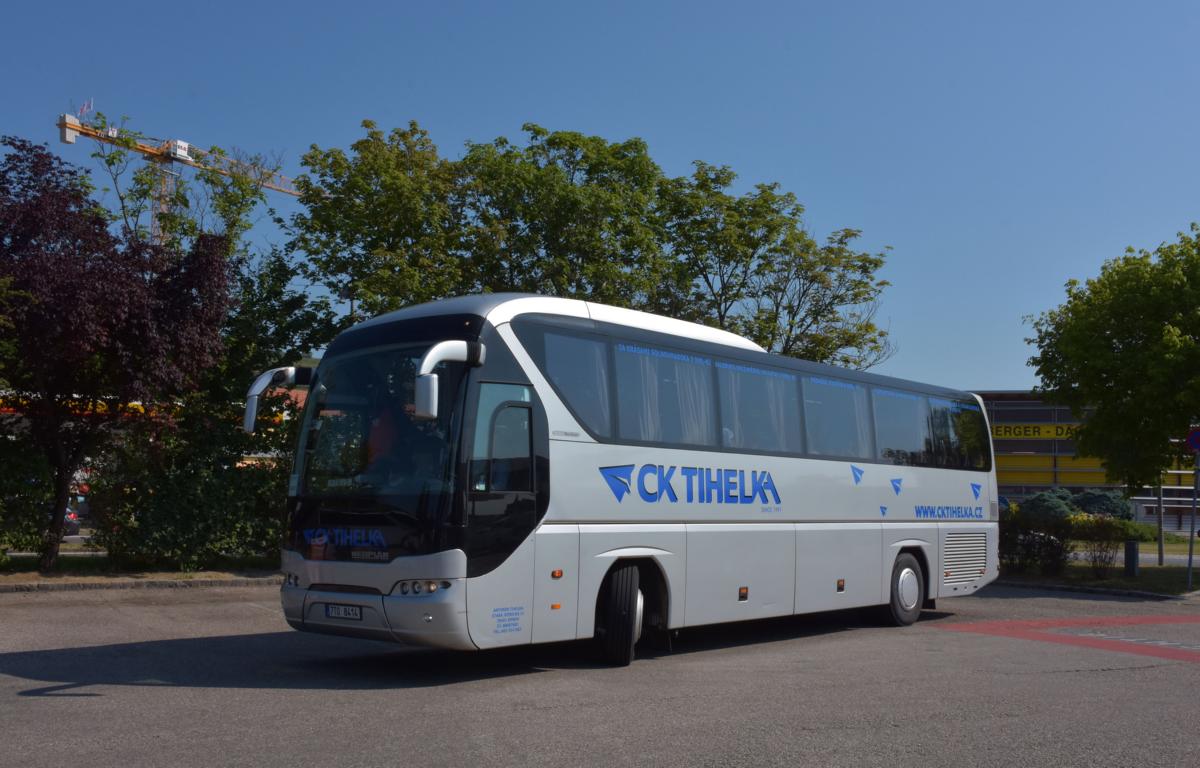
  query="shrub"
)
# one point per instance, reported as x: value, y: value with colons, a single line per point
x: 185, y: 498
x: 25, y: 496
x: 1012, y: 553
x: 1101, y: 536
x: 1036, y: 534
x: 1143, y: 532
x: 1108, y: 503
x: 1046, y: 537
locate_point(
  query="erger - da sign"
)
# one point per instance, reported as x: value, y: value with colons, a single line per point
x: 1033, y: 431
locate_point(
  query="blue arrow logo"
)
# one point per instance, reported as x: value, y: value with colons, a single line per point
x: 619, y: 479
x: 857, y: 472
x: 975, y: 489
x: 896, y: 485
x: 883, y: 511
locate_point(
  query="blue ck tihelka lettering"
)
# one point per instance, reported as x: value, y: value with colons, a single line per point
x: 656, y: 483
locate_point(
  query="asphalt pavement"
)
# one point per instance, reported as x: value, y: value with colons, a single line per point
x: 1011, y: 677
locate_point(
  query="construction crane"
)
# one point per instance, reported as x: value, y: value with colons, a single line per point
x: 165, y: 153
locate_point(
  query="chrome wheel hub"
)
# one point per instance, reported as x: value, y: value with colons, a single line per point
x: 908, y: 589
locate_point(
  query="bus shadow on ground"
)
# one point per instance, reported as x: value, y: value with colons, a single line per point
x: 295, y: 660
x: 749, y: 633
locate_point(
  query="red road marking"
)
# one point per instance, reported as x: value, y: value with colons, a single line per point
x: 1037, y: 630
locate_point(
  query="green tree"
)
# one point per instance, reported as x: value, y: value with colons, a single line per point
x: 377, y: 224
x: 746, y: 263
x: 719, y: 240
x: 567, y: 214
x: 1123, y: 352
x: 564, y: 215
x: 156, y: 203
x: 188, y: 487
x: 186, y: 491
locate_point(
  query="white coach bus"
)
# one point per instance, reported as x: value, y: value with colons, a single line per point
x: 500, y: 469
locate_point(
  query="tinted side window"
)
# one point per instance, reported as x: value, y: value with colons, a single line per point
x: 959, y: 438
x: 901, y: 427
x: 664, y: 396
x: 494, y: 427
x: 836, y: 422
x: 512, y: 450
x: 577, y: 366
x: 760, y: 408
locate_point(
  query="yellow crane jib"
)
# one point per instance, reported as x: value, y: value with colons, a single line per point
x: 71, y: 128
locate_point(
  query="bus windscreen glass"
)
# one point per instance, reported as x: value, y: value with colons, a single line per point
x: 374, y: 477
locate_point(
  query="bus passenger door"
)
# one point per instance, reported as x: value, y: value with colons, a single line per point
x: 501, y: 514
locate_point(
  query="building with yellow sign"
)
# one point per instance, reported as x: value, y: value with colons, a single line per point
x: 1035, y: 451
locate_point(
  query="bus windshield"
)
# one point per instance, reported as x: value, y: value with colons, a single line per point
x: 366, y: 462
x: 361, y: 436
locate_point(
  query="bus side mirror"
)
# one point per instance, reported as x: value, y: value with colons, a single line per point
x: 276, y: 377
x: 425, y: 389
x: 425, y: 396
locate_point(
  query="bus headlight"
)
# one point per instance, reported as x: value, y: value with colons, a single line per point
x: 422, y: 586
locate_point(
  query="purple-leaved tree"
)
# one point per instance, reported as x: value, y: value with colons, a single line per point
x: 100, y: 323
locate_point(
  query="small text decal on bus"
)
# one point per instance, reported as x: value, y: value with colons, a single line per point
x: 654, y: 482
x: 345, y: 537
x: 925, y: 512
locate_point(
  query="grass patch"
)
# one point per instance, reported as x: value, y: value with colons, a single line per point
x: 1172, y: 545
x: 1163, y: 580
x: 1177, y: 547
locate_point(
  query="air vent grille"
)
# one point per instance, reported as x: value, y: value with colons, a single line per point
x: 964, y: 557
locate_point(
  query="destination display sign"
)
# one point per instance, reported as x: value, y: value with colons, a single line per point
x: 1018, y: 431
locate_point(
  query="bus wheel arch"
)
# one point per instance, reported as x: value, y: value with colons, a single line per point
x: 654, y: 589
x: 922, y: 557
x: 919, y: 549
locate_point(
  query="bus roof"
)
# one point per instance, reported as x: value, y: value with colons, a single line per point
x: 499, y: 308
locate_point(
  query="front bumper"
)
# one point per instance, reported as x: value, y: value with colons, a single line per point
x: 437, y: 620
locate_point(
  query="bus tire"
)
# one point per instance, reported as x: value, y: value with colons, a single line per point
x: 908, y: 590
x: 622, y: 615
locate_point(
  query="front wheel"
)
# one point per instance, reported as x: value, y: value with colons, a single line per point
x: 908, y: 590
x: 622, y: 613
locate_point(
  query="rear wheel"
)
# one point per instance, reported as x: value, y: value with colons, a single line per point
x: 622, y: 615
x: 908, y: 590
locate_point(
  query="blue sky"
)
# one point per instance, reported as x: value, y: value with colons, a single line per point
x: 998, y: 151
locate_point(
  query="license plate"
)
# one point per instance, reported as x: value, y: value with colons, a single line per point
x: 352, y: 612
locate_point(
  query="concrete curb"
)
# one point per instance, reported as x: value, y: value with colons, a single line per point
x: 1095, y: 590
x: 119, y: 583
